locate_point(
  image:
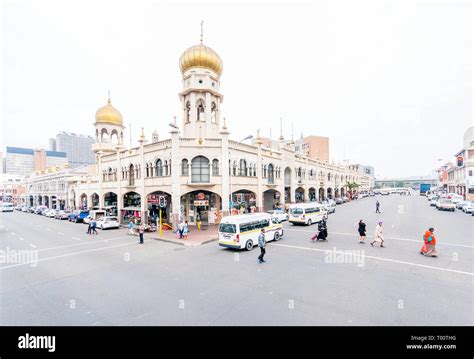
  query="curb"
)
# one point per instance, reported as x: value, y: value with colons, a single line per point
x: 184, y: 243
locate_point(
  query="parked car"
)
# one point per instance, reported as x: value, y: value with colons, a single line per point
x: 63, y: 214
x: 108, y: 222
x: 329, y: 205
x: 433, y: 201
x: 44, y: 211
x: 345, y: 199
x: 456, y: 198
x: 279, y: 215
x: 339, y: 200
x: 51, y: 213
x: 461, y: 204
x: 446, y: 205
x: 469, y: 208
x: 40, y: 209
x: 78, y: 216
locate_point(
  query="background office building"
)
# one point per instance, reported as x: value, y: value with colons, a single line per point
x: 78, y: 148
x: 23, y: 161
x: 366, y: 170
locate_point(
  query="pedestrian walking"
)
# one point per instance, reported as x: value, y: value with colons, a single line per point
x: 378, y: 235
x: 141, y: 232
x: 261, y: 243
x: 181, y: 229
x: 377, y: 207
x: 429, y: 247
x: 93, y: 226
x: 130, y: 227
x: 185, y: 230
x: 89, y: 228
x: 361, y: 231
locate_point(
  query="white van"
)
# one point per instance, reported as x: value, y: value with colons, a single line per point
x: 456, y: 198
x: 242, y: 231
x: 95, y: 215
x: 307, y: 213
x: 6, y: 207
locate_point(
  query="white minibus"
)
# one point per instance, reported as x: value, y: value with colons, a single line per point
x: 6, y: 207
x: 307, y: 213
x: 242, y: 231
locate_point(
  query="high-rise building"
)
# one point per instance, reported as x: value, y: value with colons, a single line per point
x: 52, y: 144
x: 314, y: 147
x: 77, y: 147
x: 365, y: 170
x: 23, y: 161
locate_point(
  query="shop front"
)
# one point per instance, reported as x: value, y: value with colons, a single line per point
x: 110, y: 203
x: 153, y: 208
x: 203, y: 206
x: 131, y: 210
x: 244, y: 201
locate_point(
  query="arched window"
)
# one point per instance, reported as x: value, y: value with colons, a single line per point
x: 271, y: 175
x: 115, y: 174
x: 243, y: 168
x: 234, y: 169
x: 147, y: 169
x: 159, y: 168
x: 188, y: 111
x: 213, y: 112
x: 131, y: 176
x: 200, y: 169
x: 185, y: 167
x: 166, y: 168
x: 329, y: 176
x: 215, y: 167
x: 200, y: 110
x: 109, y: 174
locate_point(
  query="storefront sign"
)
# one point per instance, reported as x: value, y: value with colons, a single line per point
x: 201, y: 203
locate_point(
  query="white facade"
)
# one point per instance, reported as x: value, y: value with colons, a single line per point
x: 198, y: 167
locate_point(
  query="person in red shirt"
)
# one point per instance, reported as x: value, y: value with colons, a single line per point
x: 429, y: 247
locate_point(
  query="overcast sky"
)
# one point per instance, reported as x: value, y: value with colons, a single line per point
x: 389, y: 82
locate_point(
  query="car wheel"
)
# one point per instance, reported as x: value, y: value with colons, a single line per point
x: 277, y: 236
x: 102, y: 227
x: 249, y: 245
x: 309, y: 222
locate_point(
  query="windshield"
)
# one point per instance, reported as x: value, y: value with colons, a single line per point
x: 296, y: 211
x: 227, y: 228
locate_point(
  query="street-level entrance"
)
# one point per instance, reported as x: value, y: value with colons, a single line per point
x: 201, y: 205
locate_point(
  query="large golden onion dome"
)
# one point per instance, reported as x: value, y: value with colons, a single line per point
x: 201, y: 56
x: 108, y: 114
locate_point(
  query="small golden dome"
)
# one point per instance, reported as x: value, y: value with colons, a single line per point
x: 108, y: 114
x: 201, y: 56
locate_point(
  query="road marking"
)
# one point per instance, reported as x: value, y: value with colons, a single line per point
x: 67, y: 255
x: 76, y: 238
x: 79, y: 244
x: 61, y: 233
x: 32, y: 245
x: 372, y: 257
x: 21, y: 239
x: 395, y: 238
x: 48, y: 229
x: 13, y: 233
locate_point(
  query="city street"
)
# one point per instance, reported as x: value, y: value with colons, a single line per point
x: 109, y: 279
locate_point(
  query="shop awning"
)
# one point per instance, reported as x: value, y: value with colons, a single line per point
x: 132, y: 209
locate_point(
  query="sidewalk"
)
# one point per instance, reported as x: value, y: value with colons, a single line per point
x: 195, y: 237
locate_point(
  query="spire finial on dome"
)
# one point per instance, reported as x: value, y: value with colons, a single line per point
x: 202, y: 24
x: 108, y: 99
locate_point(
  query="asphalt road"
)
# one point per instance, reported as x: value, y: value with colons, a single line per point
x: 109, y: 279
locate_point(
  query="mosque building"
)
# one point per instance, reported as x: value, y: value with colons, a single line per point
x: 198, y: 171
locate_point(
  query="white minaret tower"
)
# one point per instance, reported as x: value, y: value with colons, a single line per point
x: 201, y: 68
x: 108, y: 129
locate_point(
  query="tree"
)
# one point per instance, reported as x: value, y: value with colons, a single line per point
x: 352, y: 186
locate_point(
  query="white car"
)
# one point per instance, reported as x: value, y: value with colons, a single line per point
x: 108, y: 222
x: 51, y: 213
x: 279, y: 215
x: 329, y: 205
x: 469, y: 208
x: 461, y: 204
x: 456, y: 198
x: 433, y: 201
x: 446, y: 205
